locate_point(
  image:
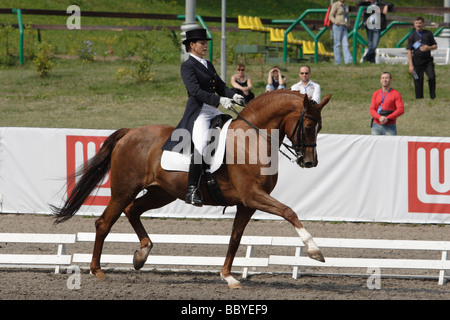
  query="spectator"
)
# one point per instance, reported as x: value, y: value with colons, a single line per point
x: 242, y: 84
x: 374, y: 25
x: 386, y: 107
x: 275, y: 80
x: 420, y: 44
x: 339, y: 16
x: 306, y: 85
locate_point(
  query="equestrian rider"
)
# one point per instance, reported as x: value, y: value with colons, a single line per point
x: 202, y: 82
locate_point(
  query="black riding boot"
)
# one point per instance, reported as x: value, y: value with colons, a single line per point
x: 194, y: 195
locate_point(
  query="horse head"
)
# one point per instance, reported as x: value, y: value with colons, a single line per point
x: 304, y: 131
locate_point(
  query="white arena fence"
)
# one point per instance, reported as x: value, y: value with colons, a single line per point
x: 61, y: 259
x: 35, y: 164
x: 400, y: 56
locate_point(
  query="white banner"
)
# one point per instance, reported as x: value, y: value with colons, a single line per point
x: 359, y: 178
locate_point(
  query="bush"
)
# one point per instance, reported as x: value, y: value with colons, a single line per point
x: 6, y: 57
x: 42, y: 60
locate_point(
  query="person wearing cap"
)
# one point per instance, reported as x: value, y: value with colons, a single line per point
x: 202, y: 83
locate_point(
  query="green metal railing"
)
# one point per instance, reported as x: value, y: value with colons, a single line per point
x: 19, y: 20
x: 357, y: 38
x: 315, y: 37
x: 203, y: 24
x: 438, y: 31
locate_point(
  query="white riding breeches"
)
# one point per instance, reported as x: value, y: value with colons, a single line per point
x: 201, y: 127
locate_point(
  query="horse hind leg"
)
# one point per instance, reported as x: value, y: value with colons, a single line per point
x: 154, y: 198
x: 103, y: 225
x: 241, y: 220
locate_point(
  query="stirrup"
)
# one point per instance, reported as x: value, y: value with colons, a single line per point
x: 194, y: 196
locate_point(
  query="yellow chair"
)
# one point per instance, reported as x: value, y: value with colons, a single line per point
x: 322, y: 50
x: 244, y: 23
x: 291, y: 40
x: 258, y: 26
x: 308, y: 47
x: 276, y: 35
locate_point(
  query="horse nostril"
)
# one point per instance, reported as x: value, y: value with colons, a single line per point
x: 309, y: 165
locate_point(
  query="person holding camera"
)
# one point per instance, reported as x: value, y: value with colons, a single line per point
x: 387, y: 105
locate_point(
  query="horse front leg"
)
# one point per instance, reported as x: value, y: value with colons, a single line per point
x: 241, y: 220
x: 264, y: 202
x: 312, y: 250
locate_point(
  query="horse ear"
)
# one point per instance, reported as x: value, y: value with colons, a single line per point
x: 306, y: 102
x: 324, y: 102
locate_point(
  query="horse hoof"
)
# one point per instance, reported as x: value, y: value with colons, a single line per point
x: 236, y: 285
x: 138, y: 262
x: 232, y: 282
x: 316, y: 255
x: 101, y: 276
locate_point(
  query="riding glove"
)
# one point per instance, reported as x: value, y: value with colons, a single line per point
x: 240, y: 100
x: 227, y: 103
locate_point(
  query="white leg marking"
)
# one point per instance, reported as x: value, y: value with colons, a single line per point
x: 307, y: 239
x: 232, y: 282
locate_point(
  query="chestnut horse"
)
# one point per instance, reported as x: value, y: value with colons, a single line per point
x: 133, y: 158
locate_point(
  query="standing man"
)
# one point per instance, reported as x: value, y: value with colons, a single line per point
x: 386, y: 107
x: 307, y: 86
x: 375, y: 23
x: 339, y: 16
x: 420, y: 44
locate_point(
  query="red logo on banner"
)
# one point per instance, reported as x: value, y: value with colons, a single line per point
x: 429, y: 177
x: 79, y: 150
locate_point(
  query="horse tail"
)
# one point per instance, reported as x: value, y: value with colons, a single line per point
x: 91, y: 175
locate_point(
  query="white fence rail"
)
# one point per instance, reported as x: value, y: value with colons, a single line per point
x: 400, y: 55
x: 296, y: 261
x: 60, y: 258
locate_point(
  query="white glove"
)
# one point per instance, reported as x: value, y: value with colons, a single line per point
x: 240, y: 100
x: 227, y: 103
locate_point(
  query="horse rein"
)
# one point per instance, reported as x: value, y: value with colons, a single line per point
x: 297, y: 149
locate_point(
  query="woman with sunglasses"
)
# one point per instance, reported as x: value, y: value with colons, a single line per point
x: 206, y: 91
x: 242, y: 84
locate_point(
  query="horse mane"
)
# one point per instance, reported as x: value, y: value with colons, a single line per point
x: 264, y: 103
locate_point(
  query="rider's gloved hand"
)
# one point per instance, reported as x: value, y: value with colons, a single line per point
x: 240, y: 100
x: 227, y: 103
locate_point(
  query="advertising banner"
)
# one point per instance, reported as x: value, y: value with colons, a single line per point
x: 359, y: 178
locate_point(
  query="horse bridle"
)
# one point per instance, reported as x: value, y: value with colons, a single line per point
x: 298, y: 148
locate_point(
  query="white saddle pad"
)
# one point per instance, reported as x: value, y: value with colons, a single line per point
x: 175, y: 161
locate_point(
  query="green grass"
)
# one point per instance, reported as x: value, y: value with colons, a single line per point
x: 88, y: 95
